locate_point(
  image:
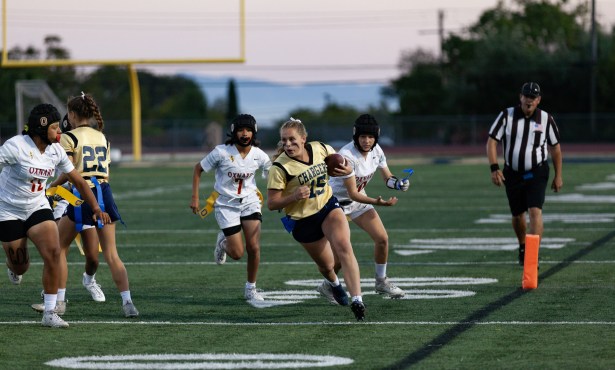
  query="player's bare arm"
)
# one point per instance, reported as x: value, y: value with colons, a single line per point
x: 276, y: 200
x: 351, y: 186
x: 196, y: 181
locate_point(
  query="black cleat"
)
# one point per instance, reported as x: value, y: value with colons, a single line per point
x: 358, y: 308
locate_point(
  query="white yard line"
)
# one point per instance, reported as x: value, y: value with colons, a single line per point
x: 326, y: 323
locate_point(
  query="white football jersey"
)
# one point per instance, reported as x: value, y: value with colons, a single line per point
x: 25, y: 171
x: 235, y: 176
x: 364, y: 169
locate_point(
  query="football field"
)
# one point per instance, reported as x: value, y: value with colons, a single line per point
x: 452, y: 249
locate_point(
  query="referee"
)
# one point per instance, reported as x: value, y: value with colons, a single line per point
x: 524, y: 132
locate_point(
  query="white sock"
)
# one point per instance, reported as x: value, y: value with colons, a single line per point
x: 336, y: 282
x: 125, y: 297
x: 87, y: 279
x: 250, y: 285
x: 357, y: 298
x: 381, y: 270
x: 50, y: 301
x: 61, y: 294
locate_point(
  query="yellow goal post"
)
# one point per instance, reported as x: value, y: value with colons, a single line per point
x: 5, y: 62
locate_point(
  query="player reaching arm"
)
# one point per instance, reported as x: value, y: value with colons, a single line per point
x: 366, y: 157
x: 29, y: 160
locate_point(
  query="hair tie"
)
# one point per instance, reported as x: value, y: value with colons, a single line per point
x: 295, y: 120
x: 82, y: 95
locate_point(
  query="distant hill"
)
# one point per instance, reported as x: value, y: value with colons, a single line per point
x: 269, y: 101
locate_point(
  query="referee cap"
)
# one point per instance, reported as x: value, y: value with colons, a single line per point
x: 530, y: 89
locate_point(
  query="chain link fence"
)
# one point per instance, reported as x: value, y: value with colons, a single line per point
x: 178, y: 136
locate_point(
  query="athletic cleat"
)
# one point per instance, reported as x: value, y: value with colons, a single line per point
x: 251, y: 294
x: 339, y: 294
x: 130, y: 310
x: 521, y: 256
x: 13, y: 277
x: 60, y: 307
x: 326, y: 291
x: 220, y: 252
x: 384, y: 286
x: 52, y: 320
x: 94, y: 289
x: 358, y: 308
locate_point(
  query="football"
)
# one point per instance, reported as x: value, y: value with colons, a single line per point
x: 334, y: 161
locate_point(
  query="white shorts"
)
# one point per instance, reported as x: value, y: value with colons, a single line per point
x: 10, y: 211
x: 356, y: 209
x: 59, y: 209
x: 228, y: 212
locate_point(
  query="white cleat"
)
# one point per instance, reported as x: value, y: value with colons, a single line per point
x: 52, y: 320
x: 220, y: 251
x: 384, y: 286
x: 60, y: 307
x: 326, y: 291
x: 130, y: 310
x: 13, y: 277
x: 251, y: 294
x: 94, y: 289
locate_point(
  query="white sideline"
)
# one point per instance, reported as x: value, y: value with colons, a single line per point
x: 326, y: 323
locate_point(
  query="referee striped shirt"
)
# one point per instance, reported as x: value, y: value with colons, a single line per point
x: 524, y: 139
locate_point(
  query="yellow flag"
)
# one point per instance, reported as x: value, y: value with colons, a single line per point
x: 67, y: 195
x: 209, y: 204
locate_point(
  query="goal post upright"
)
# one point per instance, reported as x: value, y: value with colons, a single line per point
x: 135, y: 104
x: 135, y: 95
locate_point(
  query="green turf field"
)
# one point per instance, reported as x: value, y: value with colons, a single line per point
x: 452, y: 250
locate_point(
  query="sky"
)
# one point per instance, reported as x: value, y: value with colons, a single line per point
x: 315, y: 42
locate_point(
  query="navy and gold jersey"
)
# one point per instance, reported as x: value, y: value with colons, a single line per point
x: 90, y: 151
x: 287, y: 174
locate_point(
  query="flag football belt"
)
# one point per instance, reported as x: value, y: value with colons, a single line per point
x: 211, y: 200
x: 74, y: 201
x: 101, y: 204
x: 64, y: 194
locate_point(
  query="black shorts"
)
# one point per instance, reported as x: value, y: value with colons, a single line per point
x: 526, y: 189
x: 256, y: 216
x: 16, y: 229
x: 309, y: 229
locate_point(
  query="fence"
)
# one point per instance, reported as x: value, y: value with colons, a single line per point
x: 192, y: 135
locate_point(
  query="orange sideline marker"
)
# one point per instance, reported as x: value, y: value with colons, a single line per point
x: 530, y: 264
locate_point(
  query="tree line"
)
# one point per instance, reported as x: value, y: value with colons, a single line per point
x: 477, y: 73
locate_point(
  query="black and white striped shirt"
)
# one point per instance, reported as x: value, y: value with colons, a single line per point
x: 524, y: 139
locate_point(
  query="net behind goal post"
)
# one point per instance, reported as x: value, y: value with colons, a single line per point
x: 29, y: 93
